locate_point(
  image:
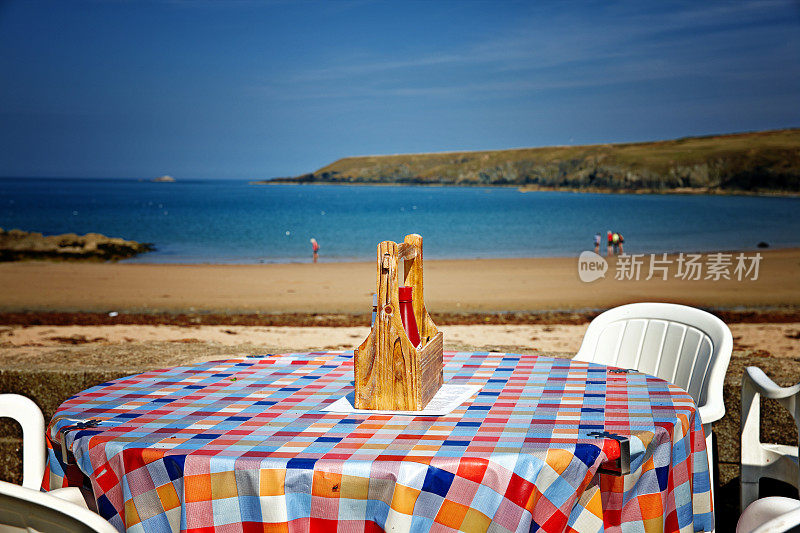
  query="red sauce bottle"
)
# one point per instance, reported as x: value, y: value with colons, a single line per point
x: 407, y: 315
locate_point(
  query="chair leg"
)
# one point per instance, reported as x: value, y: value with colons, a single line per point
x: 749, y: 494
x: 713, y: 473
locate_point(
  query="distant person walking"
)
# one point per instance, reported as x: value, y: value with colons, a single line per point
x: 610, y: 250
x: 597, y: 243
x: 315, y: 248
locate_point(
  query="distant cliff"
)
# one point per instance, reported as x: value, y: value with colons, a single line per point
x: 767, y: 161
x: 18, y: 245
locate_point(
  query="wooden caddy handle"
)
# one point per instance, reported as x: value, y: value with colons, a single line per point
x: 390, y: 373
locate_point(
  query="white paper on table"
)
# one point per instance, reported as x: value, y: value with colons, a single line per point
x: 443, y: 403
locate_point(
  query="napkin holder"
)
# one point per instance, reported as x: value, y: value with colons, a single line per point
x: 391, y: 373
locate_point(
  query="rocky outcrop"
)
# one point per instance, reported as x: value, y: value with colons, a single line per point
x: 163, y: 179
x: 758, y: 162
x: 18, y: 245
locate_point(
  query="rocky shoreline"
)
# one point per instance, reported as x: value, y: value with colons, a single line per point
x: 18, y: 245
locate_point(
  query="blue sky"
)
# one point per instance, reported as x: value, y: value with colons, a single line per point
x: 247, y: 89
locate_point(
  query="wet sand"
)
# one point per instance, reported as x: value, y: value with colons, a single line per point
x: 451, y: 286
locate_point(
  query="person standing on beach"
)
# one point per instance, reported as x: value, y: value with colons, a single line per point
x: 315, y: 248
x: 615, y: 241
x: 597, y: 243
x: 610, y: 250
x: 621, y: 240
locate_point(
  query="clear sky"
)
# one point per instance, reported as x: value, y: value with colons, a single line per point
x: 248, y: 89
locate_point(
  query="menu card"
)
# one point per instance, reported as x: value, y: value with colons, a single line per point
x: 446, y: 400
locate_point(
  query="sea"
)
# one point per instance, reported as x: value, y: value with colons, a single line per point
x: 230, y: 221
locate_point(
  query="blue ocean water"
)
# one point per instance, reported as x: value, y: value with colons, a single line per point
x: 226, y: 221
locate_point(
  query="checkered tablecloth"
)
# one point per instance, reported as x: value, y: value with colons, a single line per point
x: 242, y: 445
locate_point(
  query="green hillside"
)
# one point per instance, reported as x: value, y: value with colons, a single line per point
x: 767, y: 161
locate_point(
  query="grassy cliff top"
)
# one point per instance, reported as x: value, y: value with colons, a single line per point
x: 757, y: 161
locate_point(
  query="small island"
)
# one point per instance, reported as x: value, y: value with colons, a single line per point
x: 765, y: 162
x: 163, y: 179
x: 18, y: 245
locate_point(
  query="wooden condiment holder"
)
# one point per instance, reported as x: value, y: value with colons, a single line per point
x: 390, y: 373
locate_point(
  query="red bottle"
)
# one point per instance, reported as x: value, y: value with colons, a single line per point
x: 407, y: 315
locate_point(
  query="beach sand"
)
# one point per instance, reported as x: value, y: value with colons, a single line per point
x: 512, y: 305
x: 29, y: 342
x: 451, y: 286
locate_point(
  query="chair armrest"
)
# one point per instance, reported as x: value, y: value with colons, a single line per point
x: 711, y: 412
x: 766, y: 387
x: 768, y: 515
x: 69, y: 494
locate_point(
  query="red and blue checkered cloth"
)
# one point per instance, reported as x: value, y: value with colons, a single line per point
x: 243, y: 445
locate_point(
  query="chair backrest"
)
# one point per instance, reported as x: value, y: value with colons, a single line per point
x: 683, y: 345
x: 28, y: 415
x: 23, y: 509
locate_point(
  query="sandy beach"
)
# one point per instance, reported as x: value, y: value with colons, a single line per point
x: 780, y: 340
x: 535, y: 304
x: 471, y: 286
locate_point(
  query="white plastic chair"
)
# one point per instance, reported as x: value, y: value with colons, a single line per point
x: 683, y: 345
x: 30, y: 418
x: 28, y: 415
x: 23, y: 509
x: 776, y: 461
x: 770, y: 515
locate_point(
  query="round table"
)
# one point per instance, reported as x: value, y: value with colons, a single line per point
x: 244, y: 445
